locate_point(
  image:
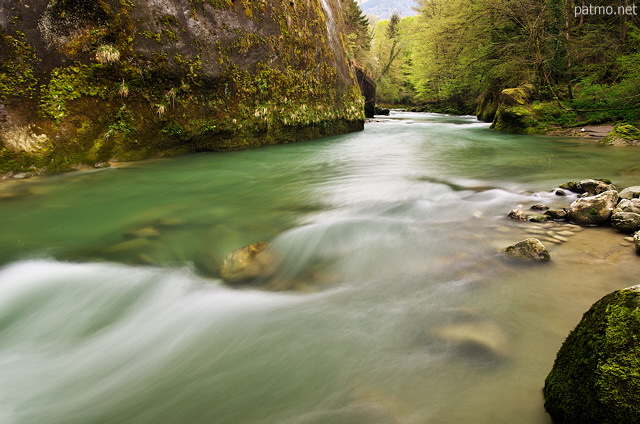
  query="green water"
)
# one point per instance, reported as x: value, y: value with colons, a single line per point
x: 111, y: 310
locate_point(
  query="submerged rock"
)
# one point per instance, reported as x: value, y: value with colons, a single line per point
x: 473, y: 338
x: 539, y: 218
x: 593, y: 210
x: 251, y: 262
x: 147, y: 231
x: 596, y: 375
x: 556, y: 214
x: 530, y: 248
x: 627, y: 222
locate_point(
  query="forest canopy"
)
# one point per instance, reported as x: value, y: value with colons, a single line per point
x: 583, y: 59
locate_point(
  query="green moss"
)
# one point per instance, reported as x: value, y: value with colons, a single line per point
x: 515, y: 119
x: 623, y: 134
x: 17, y: 59
x: 596, y: 375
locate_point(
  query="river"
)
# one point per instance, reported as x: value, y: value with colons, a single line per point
x: 111, y: 310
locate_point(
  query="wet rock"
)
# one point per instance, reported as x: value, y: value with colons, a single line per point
x: 539, y: 218
x: 539, y: 207
x: 630, y: 192
x: 627, y: 222
x: 252, y: 262
x: 592, y: 187
x: 560, y: 192
x: 530, y: 248
x: 596, y: 375
x: 572, y: 186
x: 628, y: 205
x: 556, y: 214
x: 517, y: 215
x: 593, y: 210
x: 636, y: 241
x: 473, y: 338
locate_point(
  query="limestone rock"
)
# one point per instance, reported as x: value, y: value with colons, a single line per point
x: 627, y: 222
x: 593, y: 187
x: 630, y: 192
x: 530, y: 248
x: 596, y: 375
x: 593, y: 210
x: 517, y: 215
x: 628, y: 205
x: 248, y: 263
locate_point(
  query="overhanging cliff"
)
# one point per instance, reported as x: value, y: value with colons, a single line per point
x: 87, y: 81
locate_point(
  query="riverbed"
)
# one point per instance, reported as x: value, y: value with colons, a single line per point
x: 111, y: 309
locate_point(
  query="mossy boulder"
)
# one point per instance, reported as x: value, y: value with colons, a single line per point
x: 514, y: 119
x: 596, y: 375
x: 623, y: 135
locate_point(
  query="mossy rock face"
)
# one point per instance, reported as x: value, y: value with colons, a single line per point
x: 83, y: 82
x: 596, y: 375
x: 487, y: 106
x: 515, y: 119
x: 623, y: 135
x: 516, y: 96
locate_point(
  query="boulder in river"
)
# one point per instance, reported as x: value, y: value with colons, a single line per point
x: 517, y: 215
x: 251, y: 262
x: 530, y: 248
x: 592, y: 187
x: 630, y: 192
x: 596, y: 375
x: 628, y: 205
x: 623, y: 135
x: 593, y: 210
x: 627, y: 222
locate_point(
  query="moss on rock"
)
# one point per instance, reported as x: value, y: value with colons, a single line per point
x: 219, y: 76
x: 596, y: 375
x: 623, y: 134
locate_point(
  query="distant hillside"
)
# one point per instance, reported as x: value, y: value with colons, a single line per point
x: 383, y: 9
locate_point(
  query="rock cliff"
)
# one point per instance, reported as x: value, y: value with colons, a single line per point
x: 88, y: 81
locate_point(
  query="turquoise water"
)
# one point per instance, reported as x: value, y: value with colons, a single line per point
x: 111, y: 309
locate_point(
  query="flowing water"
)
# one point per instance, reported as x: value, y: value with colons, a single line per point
x: 111, y: 310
